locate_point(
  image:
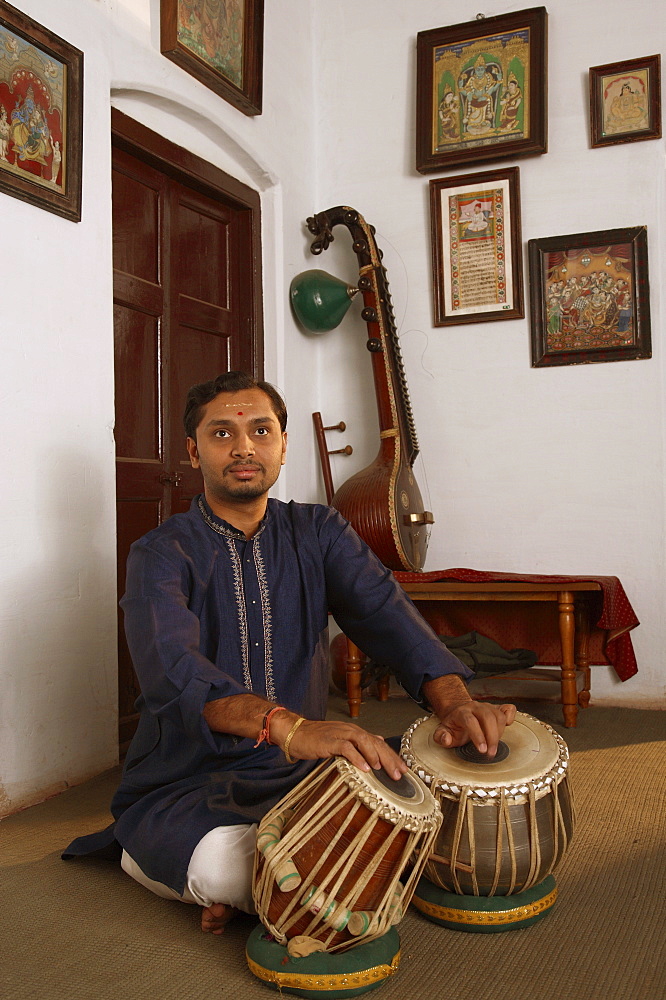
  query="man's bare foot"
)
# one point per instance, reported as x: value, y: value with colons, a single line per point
x: 215, y: 917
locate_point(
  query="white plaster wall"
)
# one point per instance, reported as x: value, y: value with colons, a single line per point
x: 57, y: 530
x: 535, y: 471
x: 528, y: 470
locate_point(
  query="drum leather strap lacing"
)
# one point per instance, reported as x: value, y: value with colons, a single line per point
x: 329, y: 890
x: 521, y: 808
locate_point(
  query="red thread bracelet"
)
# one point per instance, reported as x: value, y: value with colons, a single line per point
x: 265, y: 729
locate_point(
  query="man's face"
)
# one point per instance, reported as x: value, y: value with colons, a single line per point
x: 239, y: 446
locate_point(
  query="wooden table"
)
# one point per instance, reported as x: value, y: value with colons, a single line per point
x: 573, y: 625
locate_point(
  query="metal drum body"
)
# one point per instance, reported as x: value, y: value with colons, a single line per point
x: 330, y: 855
x: 506, y: 824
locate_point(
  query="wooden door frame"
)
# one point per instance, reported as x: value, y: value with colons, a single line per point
x: 189, y: 169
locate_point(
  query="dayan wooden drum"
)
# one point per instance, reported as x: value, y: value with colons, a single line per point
x: 507, y: 820
x: 330, y: 854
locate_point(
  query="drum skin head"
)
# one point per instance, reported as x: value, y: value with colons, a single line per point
x: 377, y: 789
x: 346, y: 974
x: 533, y: 751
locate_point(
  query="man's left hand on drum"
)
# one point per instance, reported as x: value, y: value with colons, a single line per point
x: 476, y: 722
x: 464, y: 720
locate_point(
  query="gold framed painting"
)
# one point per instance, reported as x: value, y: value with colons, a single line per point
x: 41, y: 115
x: 481, y: 90
x: 625, y: 101
x: 221, y: 43
x: 476, y: 247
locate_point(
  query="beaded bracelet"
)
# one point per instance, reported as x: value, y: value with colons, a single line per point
x: 265, y: 729
x: 287, y: 742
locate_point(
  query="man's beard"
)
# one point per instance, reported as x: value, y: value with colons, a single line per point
x: 228, y: 489
x: 241, y: 491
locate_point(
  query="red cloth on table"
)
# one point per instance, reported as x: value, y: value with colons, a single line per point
x: 610, y: 641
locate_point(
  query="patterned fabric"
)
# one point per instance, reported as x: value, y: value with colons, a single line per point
x: 612, y: 617
x: 210, y: 614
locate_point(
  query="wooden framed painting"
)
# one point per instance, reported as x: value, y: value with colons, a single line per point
x: 481, y: 90
x: 590, y: 298
x: 625, y: 101
x: 476, y: 247
x: 41, y: 115
x: 221, y: 43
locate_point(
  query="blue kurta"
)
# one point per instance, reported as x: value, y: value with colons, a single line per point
x: 210, y: 614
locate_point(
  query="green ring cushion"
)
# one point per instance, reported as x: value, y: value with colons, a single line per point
x: 341, y: 974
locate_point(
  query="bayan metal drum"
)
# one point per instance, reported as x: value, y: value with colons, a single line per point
x: 330, y: 855
x: 508, y: 819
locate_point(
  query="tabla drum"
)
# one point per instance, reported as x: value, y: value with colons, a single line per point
x: 507, y: 820
x: 330, y: 855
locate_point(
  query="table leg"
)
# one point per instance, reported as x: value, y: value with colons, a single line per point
x: 353, y: 679
x: 383, y: 685
x: 582, y: 648
x: 567, y: 632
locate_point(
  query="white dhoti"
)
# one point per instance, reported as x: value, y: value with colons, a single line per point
x: 220, y: 870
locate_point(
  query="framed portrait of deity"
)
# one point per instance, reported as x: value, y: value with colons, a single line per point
x: 625, y: 101
x: 481, y: 90
x: 476, y: 247
x: 590, y: 298
x: 221, y: 43
x: 41, y: 115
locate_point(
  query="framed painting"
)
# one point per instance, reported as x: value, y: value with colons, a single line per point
x: 221, y: 43
x: 476, y: 247
x: 481, y: 90
x: 625, y: 101
x: 41, y: 115
x: 590, y: 298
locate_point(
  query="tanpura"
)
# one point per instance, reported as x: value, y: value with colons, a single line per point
x: 383, y: 501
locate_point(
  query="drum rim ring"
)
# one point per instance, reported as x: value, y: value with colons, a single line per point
x: 541, y: 783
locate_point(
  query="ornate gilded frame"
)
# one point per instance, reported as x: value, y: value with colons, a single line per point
x: 481, y: 90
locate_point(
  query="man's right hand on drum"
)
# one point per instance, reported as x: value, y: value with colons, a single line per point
x: 314, y: 740
x: 303, y: 739
x: 464, y: 720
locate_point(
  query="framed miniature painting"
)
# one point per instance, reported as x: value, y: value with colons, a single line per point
x: 41, y: 115
x: 481, y: 90
x: 625, y: 101
x: 590, y: 298
x: 221, y: 43
x: 476, y: 248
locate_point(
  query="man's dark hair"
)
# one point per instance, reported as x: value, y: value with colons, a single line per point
x: 200, y: 395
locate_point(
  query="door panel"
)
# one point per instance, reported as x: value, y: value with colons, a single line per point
x: 137, y: 391
x: 186, y: 308
x: 202, y: 245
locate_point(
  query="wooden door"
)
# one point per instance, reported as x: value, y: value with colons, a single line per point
x: 186, y: 307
